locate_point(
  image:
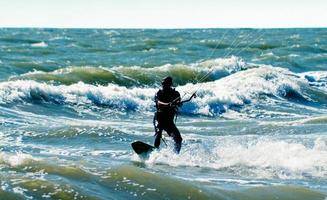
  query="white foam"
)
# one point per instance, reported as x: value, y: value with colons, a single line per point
x: 316, y: 78
x: 114, y: 153
x: 317, y: 75
x: 19, y: 190
x: 15, y: 160
x: 295, y: 36
x: 259, y: 157
x: 40, y: 44
x: 292, y: 55
x: 172, y: 48
x: 4, y: 185
x: 79, y: 93
x: 243, y: 87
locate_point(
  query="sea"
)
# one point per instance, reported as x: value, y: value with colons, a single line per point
x: 73, y: 100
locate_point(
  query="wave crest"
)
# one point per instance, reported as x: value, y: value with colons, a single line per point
x: 256, y: 86
x: 139, y: 76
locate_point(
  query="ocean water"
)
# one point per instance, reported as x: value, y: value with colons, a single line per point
x: 72, y: 101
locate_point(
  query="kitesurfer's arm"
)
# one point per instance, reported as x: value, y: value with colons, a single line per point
x: 180, y: 103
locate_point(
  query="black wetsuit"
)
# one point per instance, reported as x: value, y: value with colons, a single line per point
x: 165, y: 117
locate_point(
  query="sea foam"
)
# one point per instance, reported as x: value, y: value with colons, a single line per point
x: 260, y: 157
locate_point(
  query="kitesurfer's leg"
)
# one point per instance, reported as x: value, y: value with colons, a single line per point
x: 174, y: 132
x: 158, y: 138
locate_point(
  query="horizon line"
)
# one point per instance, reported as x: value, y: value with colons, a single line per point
x: 161, y: 28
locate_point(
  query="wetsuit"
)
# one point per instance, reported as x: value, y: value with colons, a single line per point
x: 165, y: 117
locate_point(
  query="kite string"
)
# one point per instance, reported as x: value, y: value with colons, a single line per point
x: 205, y: 76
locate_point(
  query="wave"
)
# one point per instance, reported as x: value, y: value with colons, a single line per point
x: 40, y: 44
x: 139, y: 76
x: 251, y: 156
x: 146, y: 185
x: 128, y: 182
x: 256, y: 86
x: 151, y: 186
x: 18, y: 40
x: 10, y: 196
x: 238, y: 47
x: 316, y: 78
x: 33, y: 178
x: 315, y: 120
x: 15, y: 160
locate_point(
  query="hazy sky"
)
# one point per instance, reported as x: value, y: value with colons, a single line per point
x: 163, y: 13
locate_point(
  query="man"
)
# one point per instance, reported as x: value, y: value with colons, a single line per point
x: 167, y: 101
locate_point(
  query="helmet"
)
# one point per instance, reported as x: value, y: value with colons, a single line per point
x: 168, y: 81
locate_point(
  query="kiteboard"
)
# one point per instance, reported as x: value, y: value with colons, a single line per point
x: 142, y: 148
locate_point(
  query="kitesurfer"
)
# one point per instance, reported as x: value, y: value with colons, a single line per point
x: 167, y: 102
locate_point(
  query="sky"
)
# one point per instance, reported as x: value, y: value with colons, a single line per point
x: 163, y: 13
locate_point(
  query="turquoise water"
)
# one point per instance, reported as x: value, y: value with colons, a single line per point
x: 72, y: 101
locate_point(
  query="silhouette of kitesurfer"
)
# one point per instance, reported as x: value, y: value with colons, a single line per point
x: 167, y: 102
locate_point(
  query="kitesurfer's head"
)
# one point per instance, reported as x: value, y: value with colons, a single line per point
x: 167, y: 82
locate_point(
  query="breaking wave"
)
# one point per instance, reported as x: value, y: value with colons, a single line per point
x: 260, y: 85
x: 139, y: 76
x: 252, y: 156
